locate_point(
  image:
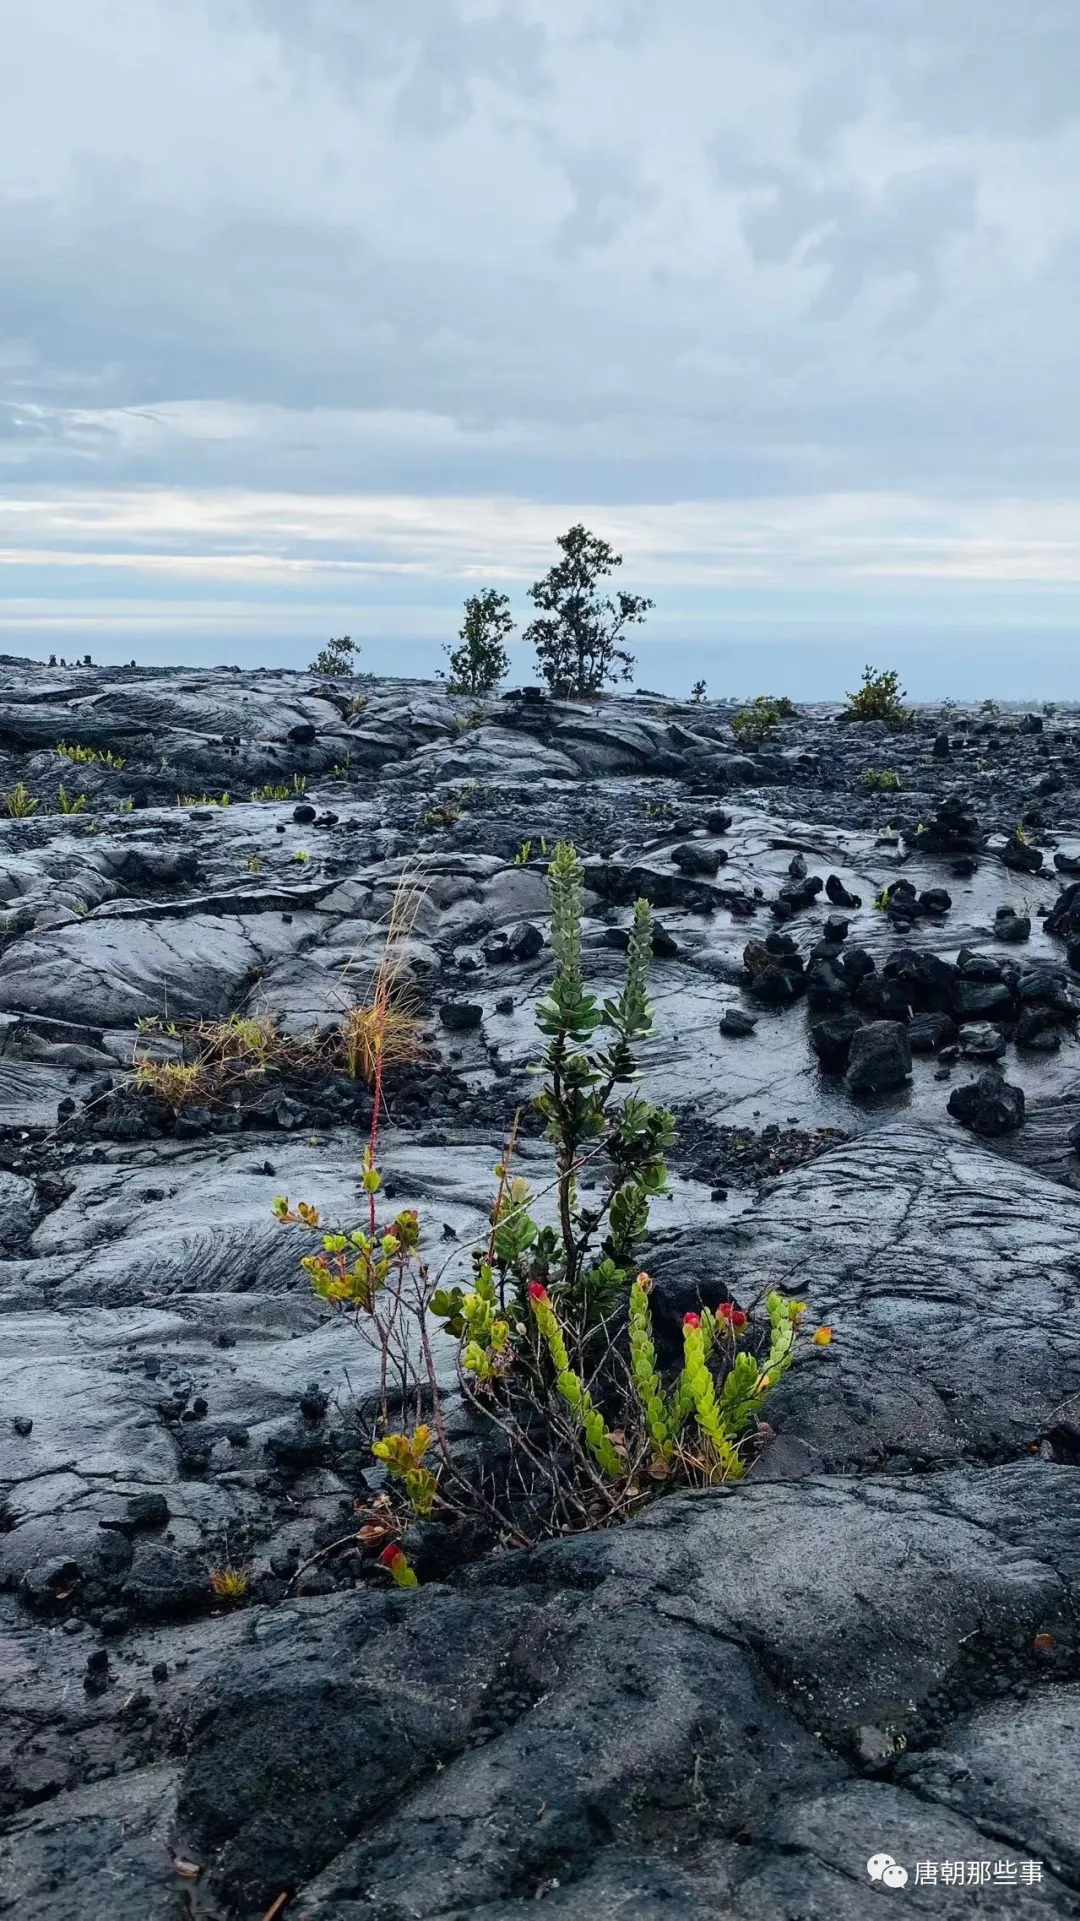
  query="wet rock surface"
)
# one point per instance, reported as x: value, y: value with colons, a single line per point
x: 866, y: 1020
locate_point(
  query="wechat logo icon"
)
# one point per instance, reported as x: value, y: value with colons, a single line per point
x: 882, y: 1867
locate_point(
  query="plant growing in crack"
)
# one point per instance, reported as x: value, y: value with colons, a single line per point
x: 554, y: 1336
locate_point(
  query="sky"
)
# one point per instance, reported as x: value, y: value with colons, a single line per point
x: 318, y: 315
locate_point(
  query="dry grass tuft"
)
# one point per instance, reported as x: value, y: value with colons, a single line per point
x: 178, y: 1084
x: 229, y: 1583
x: 379, y: 1031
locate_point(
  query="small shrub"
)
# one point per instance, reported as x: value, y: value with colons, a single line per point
x: 697, y: 691
x: 202, y: 800
x: 69, y: 803
x: 480, y: 661
x: 19, y: 804
x: 554, y: 1333
x: 879, y: 698
x: 302, y: 857
x: 337, y: 660
x: 756, y: 723
x: 878, y: 780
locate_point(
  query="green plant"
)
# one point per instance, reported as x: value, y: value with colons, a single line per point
x: 525, y: 852
x: 358, y: 703
x: 879, y: 698
x: 19, y: 804
x: 450, y: 809
x: 555, y: 1338
x: 302, y: 857
x: 177, y: 1084
x: 878, y: 780
x: 90, y: 754
x: 754, y: 724
x: 281, y: 790
x: 404, y: 1457
x: 69, y: 803
x: 698, y: 691
x: 396, y: 1562
x: 578, y: 628
x: 254, y: 865
x: 578, y: 1103
x: 337, y: 659
x: 202, y: 800
x: 480, y: 661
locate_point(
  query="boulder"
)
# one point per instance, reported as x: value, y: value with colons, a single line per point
x: 990, y: 1106
x: 460, y: 1016
x: 880, y: 1058
x: 693, y: 857
x: 1022, y: 857
x: 927, y: 1032
x: 831, y: 1040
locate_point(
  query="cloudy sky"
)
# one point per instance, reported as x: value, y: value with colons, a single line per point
x: 317, y: 314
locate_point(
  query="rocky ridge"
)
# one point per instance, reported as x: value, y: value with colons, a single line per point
x: 866, y: 1005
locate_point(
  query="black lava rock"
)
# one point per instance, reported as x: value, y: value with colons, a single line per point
x: 1022, y: 857
x: 953, y: 830
x: 693, y: 857
x: 831, y: 1041
x: 459, y: 1016
x: 1011, y: 926
x: 838, y: 893
x: 738, y: 1024
x: 979, y: 1000
x: 927, y: 1032
x: 990, y: 1106
x: 880, y: 1058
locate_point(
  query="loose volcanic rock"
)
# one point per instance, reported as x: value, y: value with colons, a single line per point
x: 990, y: 1106
x: 879, y: 1058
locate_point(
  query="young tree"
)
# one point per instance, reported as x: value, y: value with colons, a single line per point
x: 481, y: 661
x: 577, y: 628
x: 336, y: 659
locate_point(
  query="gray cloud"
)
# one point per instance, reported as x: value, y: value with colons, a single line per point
x: 611, y: 250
